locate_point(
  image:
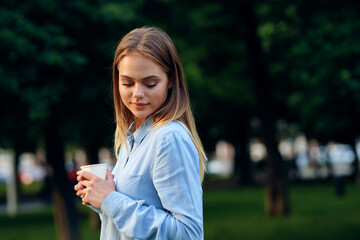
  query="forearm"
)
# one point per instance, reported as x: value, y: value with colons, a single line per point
x: 135, y: 219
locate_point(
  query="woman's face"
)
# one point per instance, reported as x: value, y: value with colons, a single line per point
x: 143, y: 86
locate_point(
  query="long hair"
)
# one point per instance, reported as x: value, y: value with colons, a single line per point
x: 156, y: 45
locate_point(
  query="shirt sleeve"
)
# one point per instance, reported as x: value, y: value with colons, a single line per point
x: 175, y: 174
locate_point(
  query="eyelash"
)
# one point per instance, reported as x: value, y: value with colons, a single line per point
x: 131, y: 84
x: 151, y: 85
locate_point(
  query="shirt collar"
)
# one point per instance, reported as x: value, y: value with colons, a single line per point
x: 139, y: 134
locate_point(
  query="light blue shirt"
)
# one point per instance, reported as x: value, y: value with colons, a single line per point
x: 158, y: 189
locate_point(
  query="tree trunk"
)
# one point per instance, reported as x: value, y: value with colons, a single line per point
x: 277, y: 202
x: 92, y: 153
x: 63, y: 193
x: 18, y: 150
x: 12, y: 194
x: 242, y: 157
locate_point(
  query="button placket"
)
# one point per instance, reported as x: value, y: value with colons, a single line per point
x: 131, y: 141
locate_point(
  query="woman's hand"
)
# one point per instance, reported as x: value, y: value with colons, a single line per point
x: 92, y: 189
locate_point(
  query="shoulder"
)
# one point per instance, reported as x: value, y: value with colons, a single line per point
x: 174, y: 128
x: 173, y: 135
x: 174, y: 145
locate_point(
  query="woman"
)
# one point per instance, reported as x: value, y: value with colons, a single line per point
x: 155, y: 190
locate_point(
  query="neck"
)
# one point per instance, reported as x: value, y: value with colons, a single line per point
x: 138, y: 122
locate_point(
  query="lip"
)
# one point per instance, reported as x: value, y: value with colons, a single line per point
x: 140, y: 105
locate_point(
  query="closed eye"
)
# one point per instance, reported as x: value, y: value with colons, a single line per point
x: 127, y: 84
x: 151, y: 85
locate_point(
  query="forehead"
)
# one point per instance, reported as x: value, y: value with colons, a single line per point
x: 137, y: 65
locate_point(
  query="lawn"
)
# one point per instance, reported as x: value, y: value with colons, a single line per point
x: 234, y: 214
x: 316, y: 214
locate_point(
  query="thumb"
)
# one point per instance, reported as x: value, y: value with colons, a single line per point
x: 109, y: 176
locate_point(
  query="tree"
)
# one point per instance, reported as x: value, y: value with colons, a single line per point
x: 63, y: 83
x: 276, y: 183
x: 312, y: 54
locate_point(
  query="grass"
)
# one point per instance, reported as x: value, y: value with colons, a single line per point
x: 234, y: 214
x: 316, y: 214
x: 39, y: 225
x: 32, y: 188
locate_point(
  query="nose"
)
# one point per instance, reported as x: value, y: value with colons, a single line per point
x: 139, y: 91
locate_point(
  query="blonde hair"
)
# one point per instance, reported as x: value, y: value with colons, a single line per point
x: 156, y: 45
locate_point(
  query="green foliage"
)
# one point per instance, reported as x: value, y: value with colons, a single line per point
x: 57, y: 57
x: 312, y: 50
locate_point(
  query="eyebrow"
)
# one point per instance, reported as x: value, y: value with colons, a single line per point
x: 145, y: 78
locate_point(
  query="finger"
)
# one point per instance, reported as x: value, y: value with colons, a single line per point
x: 81, y: 193
x: 87, y: 175
x: 109, y: 176
x: 84, y: 184
x: 78, y: 187
x: 78, y: 193
x: 84, y: 202
x: 85, y: 199
x: 79, y: 178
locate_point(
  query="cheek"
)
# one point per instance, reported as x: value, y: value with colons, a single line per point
x: 123, y: 93
x: 161, y: 95
x: 123, y: 97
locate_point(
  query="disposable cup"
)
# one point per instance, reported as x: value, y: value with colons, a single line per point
x: 97, y: 169
x: 100, y: 171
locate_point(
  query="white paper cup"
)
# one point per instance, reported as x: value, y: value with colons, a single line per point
x: 100, y: 171
x: 97, y: 169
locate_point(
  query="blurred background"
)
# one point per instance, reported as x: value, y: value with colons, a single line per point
x: 274, y: 85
